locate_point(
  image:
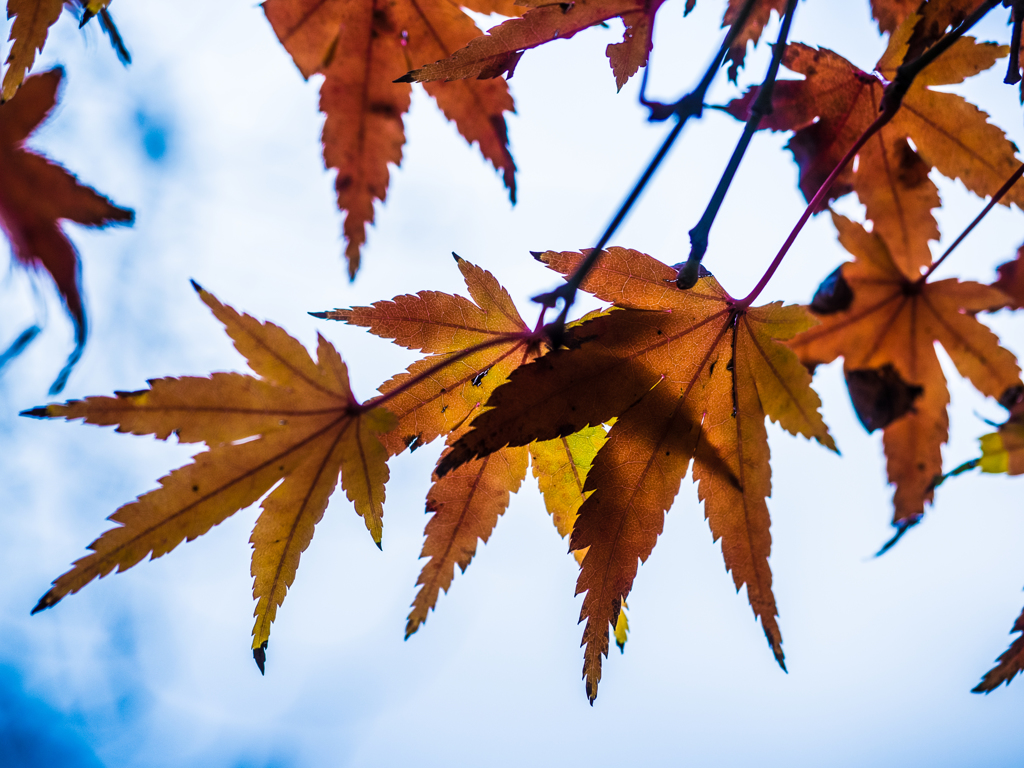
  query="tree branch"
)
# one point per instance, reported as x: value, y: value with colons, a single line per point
x: 1014, y: 178
x: 892, y: 99
x: 691, y: 105
x: 688, y: 273
x: 1013, y: 66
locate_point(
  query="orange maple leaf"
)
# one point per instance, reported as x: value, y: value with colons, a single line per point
x: 473, y: 346
x: 690, y: 376
x: 836, y: 102
x: 885, y: 325
x: 1008, y: 665
x: 36, y: 194
x: 296, y: 426
x: 498, y: 52
x: 468, y: 501
x: 361, y: 47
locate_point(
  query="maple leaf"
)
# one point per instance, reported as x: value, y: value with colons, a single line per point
x: 891, y: 13
x: 751, y: 32
x: 295, y: 425
x: 466, y: 505
x: 836, y: 102
x: 1008, y: 665
x: 885, y: 326
x: 36, y: 194
x: 472, y: 347
x: 468, y: 501
x: 32, y: 22
x: 690, y: 376
x: 1003, y: 452
x: 440, y: 394
x: 361, y: 47
x: 499, y: 51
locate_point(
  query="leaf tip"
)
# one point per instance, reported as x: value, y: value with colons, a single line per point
x: 260, y: 656
x: 39, y: 412
x: 321, y: 315
x: 379, y: 544
x: 46, y: 601
x: 196, y: 286
x: 458, y: 259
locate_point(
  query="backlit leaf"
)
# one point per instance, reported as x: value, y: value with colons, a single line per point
x: 296, y: 425
x: 36, y: 195
x: 690, y: 376
x: 895, y: 321
x: 361, y: 48
x: 836, y: 102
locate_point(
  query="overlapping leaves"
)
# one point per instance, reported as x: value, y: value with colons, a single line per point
x: 836, y: 102
x: 884, y: 325
x: 689, y: 376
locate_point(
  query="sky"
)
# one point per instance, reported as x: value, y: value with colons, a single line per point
x: 211, y: 136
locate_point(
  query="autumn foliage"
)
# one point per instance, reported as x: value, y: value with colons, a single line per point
x: 611, y: 411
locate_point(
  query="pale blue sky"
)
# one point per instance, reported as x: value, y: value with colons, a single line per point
x: 212, y: 137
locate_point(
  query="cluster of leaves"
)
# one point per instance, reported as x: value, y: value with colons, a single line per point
x: 612, y: 411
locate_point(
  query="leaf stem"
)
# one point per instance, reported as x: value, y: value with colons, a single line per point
x: 691, y: 105
x: 688, y: 273
x: 892, y: 99
x: 1014, y: 178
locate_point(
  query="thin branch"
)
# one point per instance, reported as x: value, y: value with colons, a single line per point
x: 689, y: 106
x: 1013, y: 66
x: 892, y: 99
x: 688, y: 273
x: 1014, y: 178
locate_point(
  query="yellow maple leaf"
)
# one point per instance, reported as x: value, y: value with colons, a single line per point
x: 296, y: 426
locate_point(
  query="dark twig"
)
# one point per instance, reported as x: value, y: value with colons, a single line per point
x: 892, y: 99
x: 762, y: 106
x: 1014, y: 178
x: 1013, y: 67
x: 691, y: 105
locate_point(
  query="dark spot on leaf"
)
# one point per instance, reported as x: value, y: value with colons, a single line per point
x: 382, y: 108
x: 833, y: 295
x: 412, y: 442
x: 880, y: 396
x: 911, y: 170
x: 195, y: 489
x: 478, y: 379
x: 1012, y: 396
